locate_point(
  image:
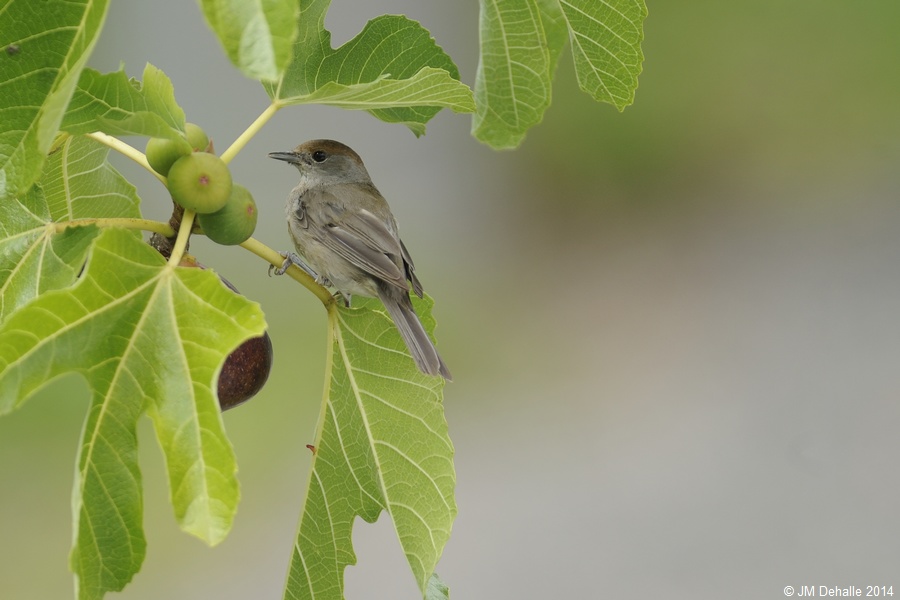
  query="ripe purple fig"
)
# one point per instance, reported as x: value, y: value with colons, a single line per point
x: 245, y: 371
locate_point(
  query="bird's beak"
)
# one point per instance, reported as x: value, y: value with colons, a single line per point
x: 290, y: 157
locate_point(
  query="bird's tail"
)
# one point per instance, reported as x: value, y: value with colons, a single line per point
x: 417, y: 341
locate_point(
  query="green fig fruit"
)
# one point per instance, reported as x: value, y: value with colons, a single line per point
x: 200, y: 182
x: 196, y: 137
x: 162, y: 153
x: 234, y: 222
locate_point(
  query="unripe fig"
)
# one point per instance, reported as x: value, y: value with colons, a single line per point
x: 196, y: 137
x: 162, y: 153
x: 234, y: 222
x: 246, y: 370
x: 200, y: 182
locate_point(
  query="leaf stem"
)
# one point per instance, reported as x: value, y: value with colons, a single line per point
x: 129, y: 151
x: 252, y: 130
x: 184, y: 234
x: 296, y: 273
x: 142, y: 224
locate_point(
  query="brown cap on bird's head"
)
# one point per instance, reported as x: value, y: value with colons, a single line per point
x: 327, y: 157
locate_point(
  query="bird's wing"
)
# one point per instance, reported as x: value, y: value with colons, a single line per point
x: 362, y: 239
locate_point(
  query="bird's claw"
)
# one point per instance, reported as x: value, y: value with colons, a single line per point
x: 339, y: 295
x: 291, y: 258
x: 288, y: 260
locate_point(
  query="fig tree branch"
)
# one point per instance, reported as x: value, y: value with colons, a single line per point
x: 248, y: 134
x: 296, y: 273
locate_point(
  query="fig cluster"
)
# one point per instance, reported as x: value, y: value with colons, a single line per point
x: 200, y: 181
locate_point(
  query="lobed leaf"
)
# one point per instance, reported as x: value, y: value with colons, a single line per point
x: 116, y: 105
x: 256, y: 36
x: 521, y: 41
x: 387, y: 98
x: 145, y: 336
x: 43, y: 47
x: 78, y: 182
x: 391, y: 69
x: 34, y: 258
x: 383, y: 445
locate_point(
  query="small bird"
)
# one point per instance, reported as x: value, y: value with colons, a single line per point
x: 343, y: 228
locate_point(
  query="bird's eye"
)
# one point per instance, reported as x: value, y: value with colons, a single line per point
x: 319, y: 156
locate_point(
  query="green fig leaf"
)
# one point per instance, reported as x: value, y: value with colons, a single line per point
x: 512, y: 84
x: 380, y: 97
x: 39, y: 69
x: 256, y: 36
x: 393, y: 69
x: 383, y: 420
x: 555, y: 30
x: 150, y: 337
x: 36, y: 255
x: 80, y: 183
x: 606, y: 45
x: 116, y: 105
x: 521, y: 41
x: 382, y: 446
x: 437, y: 589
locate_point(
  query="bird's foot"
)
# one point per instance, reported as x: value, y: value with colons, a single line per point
x: 291, y: 258
x: 339, y: 295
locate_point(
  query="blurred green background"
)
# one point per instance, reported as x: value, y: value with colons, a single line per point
x: 674, y: 331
